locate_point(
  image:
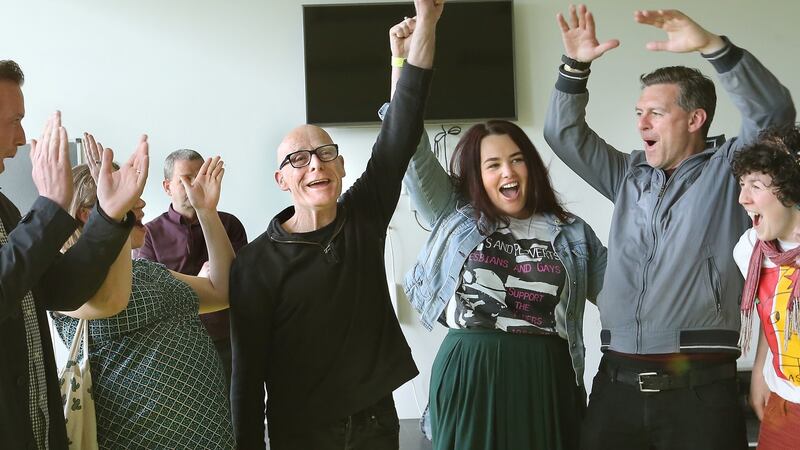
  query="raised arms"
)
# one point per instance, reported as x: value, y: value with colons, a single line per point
x: 203, y: 193
x: 565, y: 128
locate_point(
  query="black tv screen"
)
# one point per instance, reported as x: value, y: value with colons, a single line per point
x: 347, y: 61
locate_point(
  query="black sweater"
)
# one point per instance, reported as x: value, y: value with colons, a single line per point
x: 310, y: 312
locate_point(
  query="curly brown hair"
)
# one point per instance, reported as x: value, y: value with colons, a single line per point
x: 777, y: 154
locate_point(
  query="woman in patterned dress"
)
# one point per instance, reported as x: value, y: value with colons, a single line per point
x: 158, y: 382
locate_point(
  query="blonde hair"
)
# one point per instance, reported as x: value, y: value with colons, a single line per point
x: 85, y: 196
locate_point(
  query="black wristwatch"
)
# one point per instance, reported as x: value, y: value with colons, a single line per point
x: 575, y: 64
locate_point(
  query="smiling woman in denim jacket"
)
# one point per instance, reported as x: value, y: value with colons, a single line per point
x: 507, y: 270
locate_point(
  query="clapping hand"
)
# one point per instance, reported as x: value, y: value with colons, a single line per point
x: 204, y: 190
x: 118, y: 191
x: 93, y: 152
x: 52, y: 169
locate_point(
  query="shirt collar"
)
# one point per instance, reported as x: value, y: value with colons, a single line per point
x: 176, y: 217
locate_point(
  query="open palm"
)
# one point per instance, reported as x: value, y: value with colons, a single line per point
x: 204, y: 190
x: 119, y: 190
x: 683, y: 34
x: 579, y: 35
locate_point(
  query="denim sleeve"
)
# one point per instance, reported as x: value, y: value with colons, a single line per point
x: 428, y: 184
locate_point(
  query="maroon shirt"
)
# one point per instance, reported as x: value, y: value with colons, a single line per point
x: 173, y: 241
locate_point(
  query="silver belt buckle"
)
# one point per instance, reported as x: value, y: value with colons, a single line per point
x: 641, y: 381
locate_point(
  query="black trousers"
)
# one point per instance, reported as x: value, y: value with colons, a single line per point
x: 621, y: 417
x: 373, y: 428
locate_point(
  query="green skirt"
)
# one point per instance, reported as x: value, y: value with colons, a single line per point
x: 492, y: 390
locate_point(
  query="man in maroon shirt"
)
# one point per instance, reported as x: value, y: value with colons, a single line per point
x: 175, y: 239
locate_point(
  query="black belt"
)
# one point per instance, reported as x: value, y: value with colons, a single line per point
x: 656, y: 382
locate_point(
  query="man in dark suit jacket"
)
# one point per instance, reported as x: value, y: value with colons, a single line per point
x: 35, y: 276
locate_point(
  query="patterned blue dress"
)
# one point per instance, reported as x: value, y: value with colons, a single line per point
x: 158, y: 382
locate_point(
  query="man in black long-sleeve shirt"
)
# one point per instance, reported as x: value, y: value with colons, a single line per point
x: 310, y: 311
x: 35, y: 276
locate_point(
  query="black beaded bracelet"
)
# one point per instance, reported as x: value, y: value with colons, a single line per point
x: 574, y: 63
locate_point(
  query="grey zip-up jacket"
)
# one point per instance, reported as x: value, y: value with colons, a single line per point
x: 671, y: 284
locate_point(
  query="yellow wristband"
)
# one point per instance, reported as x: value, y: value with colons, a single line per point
x: 398, y: 61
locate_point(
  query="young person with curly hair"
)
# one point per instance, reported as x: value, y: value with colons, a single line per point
x: 768, y: 254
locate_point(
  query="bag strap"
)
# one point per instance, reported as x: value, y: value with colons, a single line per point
x: 79, y: 336
x: 85, y: 339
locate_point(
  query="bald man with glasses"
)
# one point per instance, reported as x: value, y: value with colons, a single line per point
x: 311, y: 317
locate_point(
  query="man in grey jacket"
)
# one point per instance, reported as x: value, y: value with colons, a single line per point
x: 669, y: 305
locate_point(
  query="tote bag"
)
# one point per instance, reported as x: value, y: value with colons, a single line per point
x: 76, y: 394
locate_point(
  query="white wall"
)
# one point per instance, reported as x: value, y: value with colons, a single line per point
x: 227, y: 78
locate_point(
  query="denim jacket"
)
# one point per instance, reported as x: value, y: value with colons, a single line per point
x: 434, y: 278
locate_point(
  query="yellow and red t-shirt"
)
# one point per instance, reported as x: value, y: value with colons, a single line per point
x: 782, y: 367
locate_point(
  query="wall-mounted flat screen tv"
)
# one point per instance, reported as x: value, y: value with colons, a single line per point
x: 347, y: 61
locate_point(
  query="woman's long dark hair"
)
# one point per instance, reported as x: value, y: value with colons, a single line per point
x: 465, y: 167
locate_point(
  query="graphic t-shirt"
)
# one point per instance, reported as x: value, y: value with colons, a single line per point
x: 782, y: 366
x: 511, y: 281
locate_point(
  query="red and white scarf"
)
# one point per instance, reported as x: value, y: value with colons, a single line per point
x: 789, y: 258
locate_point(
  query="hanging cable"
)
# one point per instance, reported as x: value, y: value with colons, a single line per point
x: 441, y: 137
x: 439, y: 151
x: 416, y: 217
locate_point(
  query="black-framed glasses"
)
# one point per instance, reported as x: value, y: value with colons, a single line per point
x: 302, y: 158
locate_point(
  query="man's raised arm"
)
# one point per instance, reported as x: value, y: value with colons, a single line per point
x: 760, y: 98
x: 565, y: 128
x: 402, y: 125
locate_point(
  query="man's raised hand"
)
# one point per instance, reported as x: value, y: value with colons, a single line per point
x: 203, y: 192
x: 423, y: 39
x: 429, y: 10
x: 579, y: 36
x: 52, y: 169
x: 683, y: 34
